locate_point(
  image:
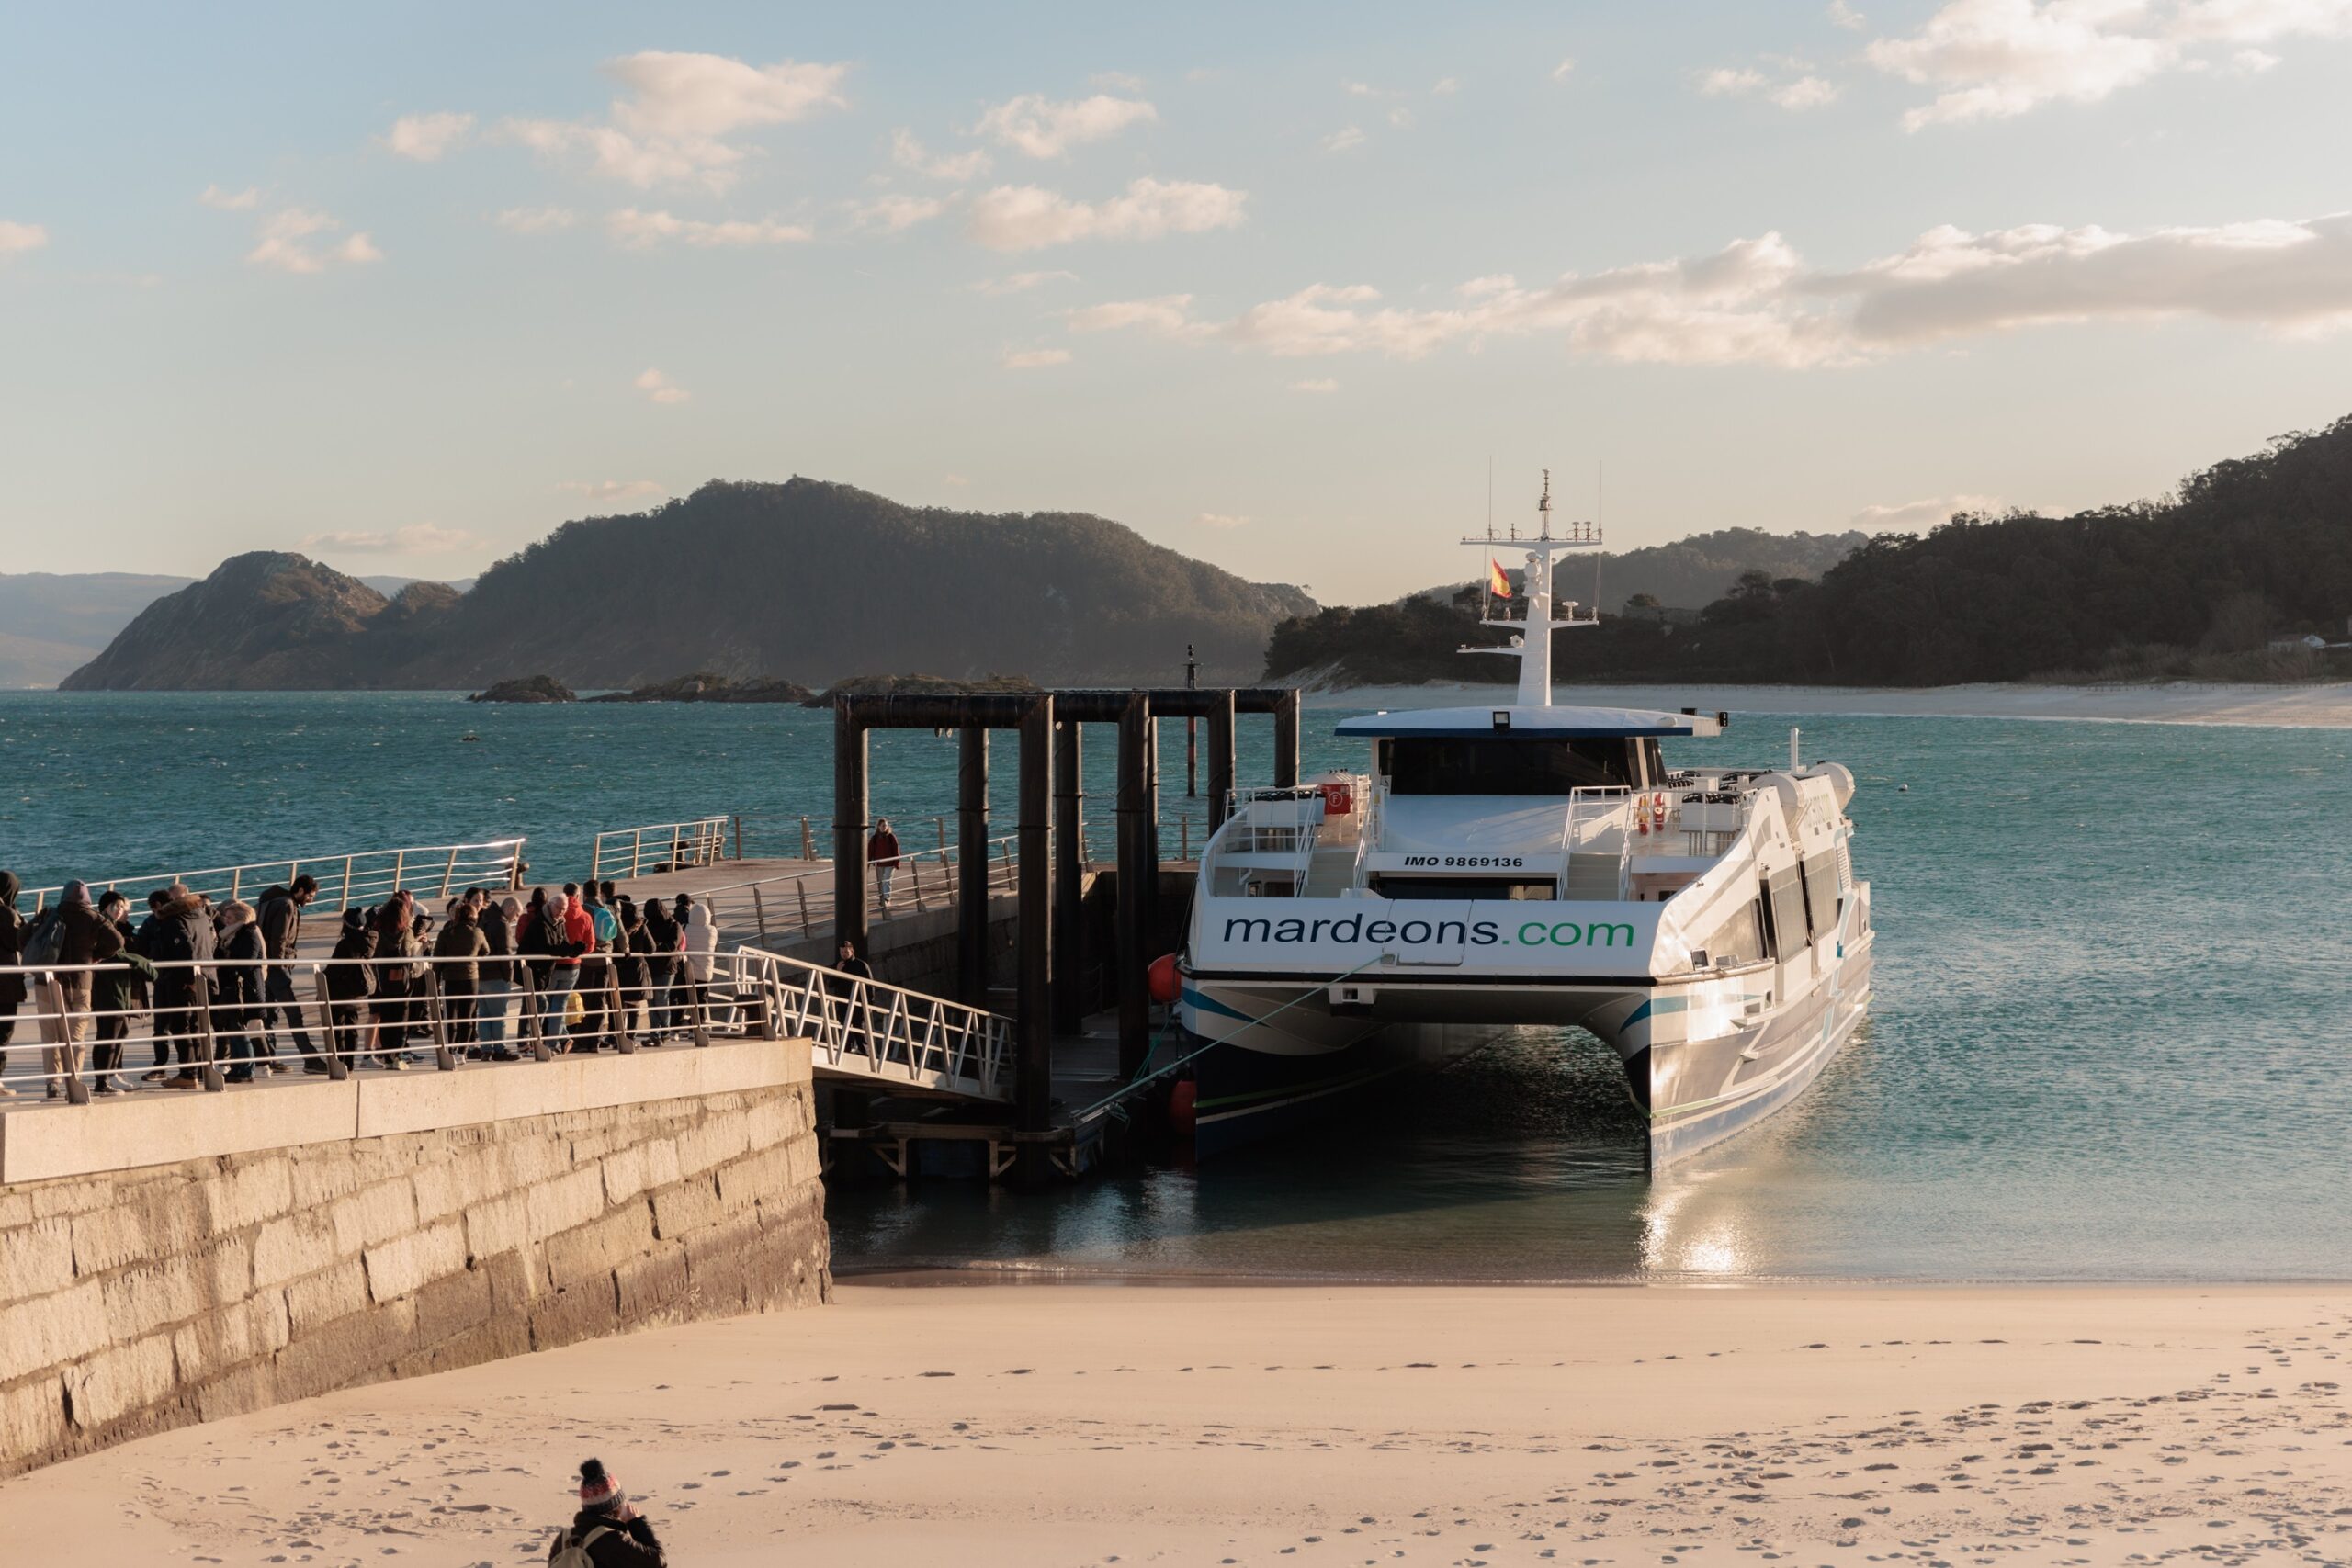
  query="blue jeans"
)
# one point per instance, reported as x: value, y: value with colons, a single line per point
x: 562, y: 980
x: 494, y: 1001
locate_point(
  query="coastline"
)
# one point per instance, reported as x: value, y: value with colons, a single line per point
x: 2315, y: 706
x: 1443, y: 1424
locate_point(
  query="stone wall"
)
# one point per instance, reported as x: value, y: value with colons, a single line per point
x: 147, y: 1296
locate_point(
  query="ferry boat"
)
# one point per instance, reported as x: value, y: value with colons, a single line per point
x: 1528, y: 865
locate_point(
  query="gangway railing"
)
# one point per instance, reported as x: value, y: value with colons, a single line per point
x: 1593, y: 810
x: 801, y: 903
x: 667, y: 846
x: 345, y: 877
x: 882, y: 1034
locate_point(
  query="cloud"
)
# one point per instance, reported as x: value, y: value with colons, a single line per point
x: 1043, y: 128
x: 1023, y: 218
x: 672, y: 124
x: 1805, y: 93
x: 1565, y: 69
x: 15, y: 239
x: 610, y: 489
x: 1344, y: 137
x: 243, y: 201
x: 1446, y: 84
x: 1034, y: 358
x: 292, y: 240
x: 1220, y: 520
x: 959, y: 480
x: 427, y: 137
x: 410, y: 539
x: 894, y: 214
x: 537, y: 220
x: 1911, y: 516
x: 1844, y: 15
x: 1999, y: 59
x: 642, y: 230
x: 1020, y: 282
x: 910, y: 153
x: 1321, y: 384
x: 1756, y: 302
x: 1401, y: 118
x: 1116, y: 80
x: 659, y: 388
x: 1730, y: 81
x: 1360, y: 89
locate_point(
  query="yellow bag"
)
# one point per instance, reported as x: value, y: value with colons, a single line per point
x: 575, y: 1012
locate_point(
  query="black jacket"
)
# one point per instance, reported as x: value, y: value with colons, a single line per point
x: 12, y: 940
x: 630, y: 1545
x: 237, y: 985
x: 352, y: 982
x: 177, y: 934
x: 500, y: 965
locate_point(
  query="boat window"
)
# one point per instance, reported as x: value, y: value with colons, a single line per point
x: 1820, y: 892
x: 1453, y: 766
x: 1736, y: 939
x: 1461, y: 889
x: 1789, y: 931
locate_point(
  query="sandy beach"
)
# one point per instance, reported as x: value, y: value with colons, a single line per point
x: 2325, y: 705
x: 1356, y: 1426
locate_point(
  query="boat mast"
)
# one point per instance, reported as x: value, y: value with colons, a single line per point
x: 1532, y: 646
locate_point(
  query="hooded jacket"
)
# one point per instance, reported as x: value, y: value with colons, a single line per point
x: 237, y: 994
x: 177, y: 934
x: 352, y: 982
x: 624, y: 1545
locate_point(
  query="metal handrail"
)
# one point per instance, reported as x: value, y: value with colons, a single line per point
x: 670, y: 846
x: 354, y: 875
x: 682, y: 995
x: 780, y: 907
x: 876, y: 1029
x: 1608, y: 801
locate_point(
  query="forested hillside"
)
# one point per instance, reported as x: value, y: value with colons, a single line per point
x: 2196, y: 585
x: 804, y: 580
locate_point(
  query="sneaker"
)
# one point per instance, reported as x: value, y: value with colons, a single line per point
x: 103, y: 1086
x: 313, y: 1064
x: 238, y: 1074
x: 52, y: 1090
x: 183, y: 1080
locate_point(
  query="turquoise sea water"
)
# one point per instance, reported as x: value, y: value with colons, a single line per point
x: 2110, y: 1039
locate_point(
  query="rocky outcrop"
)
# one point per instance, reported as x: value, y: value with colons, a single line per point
x: 703, y: 686
x: 529, y: 689
x: 261, y: 622
x: 735, y: 579
x: 917, y: 685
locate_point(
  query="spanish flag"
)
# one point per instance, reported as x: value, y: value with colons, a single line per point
x: 1496, y: 583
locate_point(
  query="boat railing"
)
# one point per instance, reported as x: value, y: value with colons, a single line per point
x: 346, y: 878
x: 1593, y: 811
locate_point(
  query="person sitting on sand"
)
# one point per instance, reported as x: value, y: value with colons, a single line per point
x: 607, y: 1532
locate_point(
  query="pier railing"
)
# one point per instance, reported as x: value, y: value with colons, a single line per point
x: 656, y: 847
x: 800, y: 904
x: 202, y: 1027
x: 182, y: 1024
x: 869, y: 1028
x: 345, y: 878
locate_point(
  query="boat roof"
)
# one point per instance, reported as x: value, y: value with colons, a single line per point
x: 1526, y: 723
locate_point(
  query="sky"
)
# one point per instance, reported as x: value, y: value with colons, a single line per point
x: 1278, y: 287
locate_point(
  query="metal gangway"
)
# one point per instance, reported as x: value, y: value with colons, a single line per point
x: 879, y: 1034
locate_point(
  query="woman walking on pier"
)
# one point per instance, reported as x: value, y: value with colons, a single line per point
x: 461, y: 948
x: 882, y: 854
x: 350, y: 981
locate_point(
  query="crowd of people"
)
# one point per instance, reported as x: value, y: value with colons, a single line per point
x: 216, y: 980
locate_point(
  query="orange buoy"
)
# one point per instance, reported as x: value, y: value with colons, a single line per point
x: 1180, y: 1106
x: 1161, y: 978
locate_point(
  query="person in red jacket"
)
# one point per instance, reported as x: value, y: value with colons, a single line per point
x: 882, y: 854
x: 567, y: 932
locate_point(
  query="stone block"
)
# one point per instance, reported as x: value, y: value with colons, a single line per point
x: 499, y: 1225
x: 595, y: 1248
x: 71, y: 1196
x: 354, y: 1349
x: 36, y: 1258
x: 689, y: 1206
x: 401, y: 1265
x: 564, y: 1317
x: 254, y: 1189
x: 772, y: 1120
x: 514, y: 1279
x: 42, y: 1333
x: 111, y: 1384
x: 374, y: 1215
x: 322, y: 1173
x: 712, y: 1142
x: 336, y: 1292
x: 32, y: 1419
x: 720, y: 1264
x: 638, y: 1168
x: 758, y: 1175
x: 488, y: 1341
x: 225, y: 1269
x: 468, y: 1177
x: 450, y: 1306
x: 564, y: 1204
x: 290, y: 1247
x: 138, y: 1301
x: 227, y: 1337
x: 239, y: 1392
x: 654, y: 1286
x: 532, y: 1159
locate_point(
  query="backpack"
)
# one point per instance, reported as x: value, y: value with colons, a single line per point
x: 45, y: 943
x: 572, y: 1553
